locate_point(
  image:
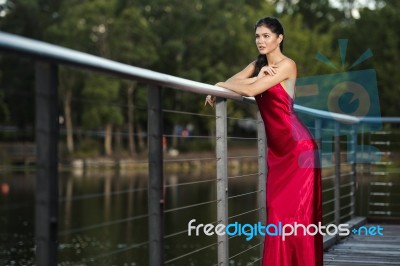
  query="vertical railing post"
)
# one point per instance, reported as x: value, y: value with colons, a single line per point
x: 156, y: 178
x: 369, y: 170
x: 46, y: 207
x: 317, y: 134
x: 361, y: 179
x: 337, y: 172
x: 318, y: 139
x: 353, y: 151
x: 222, y: 177
x: 262, y: 175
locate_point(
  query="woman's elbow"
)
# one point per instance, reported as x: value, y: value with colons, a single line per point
x: 248, y: 93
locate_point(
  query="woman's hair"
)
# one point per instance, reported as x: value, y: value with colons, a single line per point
x: 276, y: 27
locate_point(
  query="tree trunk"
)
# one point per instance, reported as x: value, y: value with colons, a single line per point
x: 108, y: 139
x: 142, y: 144
x: 130, y: 115
x: 68, y: 121
x: 118, y: 141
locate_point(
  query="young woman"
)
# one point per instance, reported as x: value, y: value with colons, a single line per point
x: 293, y: 179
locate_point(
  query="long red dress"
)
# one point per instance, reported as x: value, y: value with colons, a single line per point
x: 293, y: 182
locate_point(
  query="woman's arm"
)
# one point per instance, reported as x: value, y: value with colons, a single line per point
x: 242, y: 77
x: 244, y: 74
x: 243, y: 81
x: 287, y: 69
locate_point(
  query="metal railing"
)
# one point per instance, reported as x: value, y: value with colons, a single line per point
x: 380, y: 173
x: 339, y: 166
x: 48, y: 57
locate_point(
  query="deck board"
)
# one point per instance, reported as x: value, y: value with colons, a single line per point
x: 360, y: 250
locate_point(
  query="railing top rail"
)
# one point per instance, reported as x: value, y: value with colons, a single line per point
x: 56, y: 54
x: 53, y: 53
x: 327, y: 115
x: 381, y: 119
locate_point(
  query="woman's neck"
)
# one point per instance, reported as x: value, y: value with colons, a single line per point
x: 275, y: 57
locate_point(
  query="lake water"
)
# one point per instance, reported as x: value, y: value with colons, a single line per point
x: 103, y: 215
x: 103, y: 218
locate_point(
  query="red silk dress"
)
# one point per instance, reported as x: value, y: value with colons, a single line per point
x: 293, y: 183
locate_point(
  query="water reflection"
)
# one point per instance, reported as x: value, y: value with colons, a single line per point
x: 103, y: 217
x: 100, y: 218
x: 16, y: 219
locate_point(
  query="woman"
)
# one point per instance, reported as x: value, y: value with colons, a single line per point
x: 293, y: 180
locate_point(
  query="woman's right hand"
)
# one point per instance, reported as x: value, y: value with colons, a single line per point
x: 267, y: 70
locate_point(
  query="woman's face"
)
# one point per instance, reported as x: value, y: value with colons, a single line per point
x: 266, y: 40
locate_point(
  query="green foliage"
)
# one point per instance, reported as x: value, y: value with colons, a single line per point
x: 318, y: 14
x: 4, y: 112
x: 102, y: 108
x: 378, y: 30
x: 132, y: 41
x: 302, y: 44
x: 22, y: 19
x: 202, y: 40
x: 88, y: 148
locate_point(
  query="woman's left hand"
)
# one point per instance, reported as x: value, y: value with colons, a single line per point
x: 210, y: 99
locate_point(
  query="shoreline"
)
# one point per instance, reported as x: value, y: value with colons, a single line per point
x: 243, y: 159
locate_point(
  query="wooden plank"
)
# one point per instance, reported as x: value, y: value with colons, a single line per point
x: 360, y: 250
x: 329, y: 240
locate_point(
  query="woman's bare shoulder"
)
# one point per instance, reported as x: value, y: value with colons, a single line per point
x: 287, y: 62
x: 289, y: 66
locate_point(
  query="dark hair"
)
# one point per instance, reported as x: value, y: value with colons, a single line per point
x: 276, y: 27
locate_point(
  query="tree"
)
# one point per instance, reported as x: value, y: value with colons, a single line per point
x: 378, y: 30
x: 206, y: 41
x: 68, y: 84
x: 4, y: 112
x: 70, y: 30
x: 103, y: 110
x: 317, y: 15
x: 132, y: 43
x: 26, y: 18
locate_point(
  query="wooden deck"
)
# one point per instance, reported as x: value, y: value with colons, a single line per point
x: 357, y: 250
